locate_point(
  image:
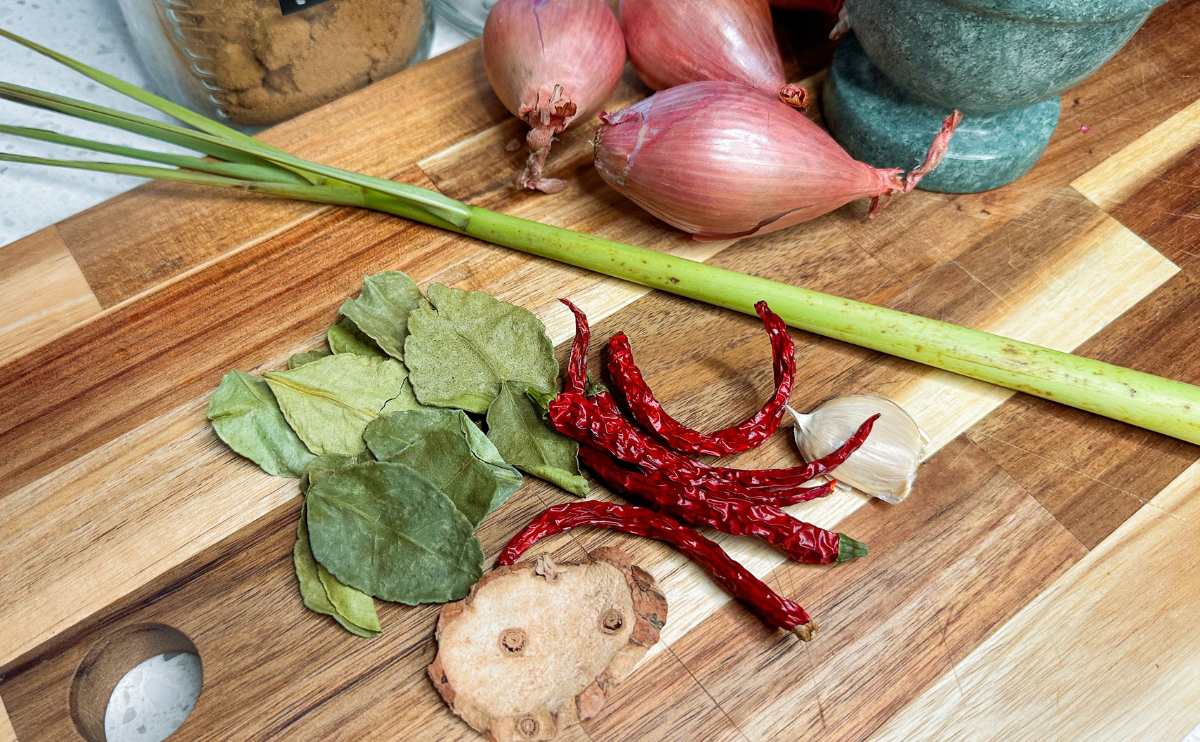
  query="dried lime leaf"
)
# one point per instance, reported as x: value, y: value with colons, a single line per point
x: 331, y: 462
x: 312, y: 591
x: 406, y: 399
x: 308, y: 356
x: 381, y: 311
x: 454, y: 454
x: 344, y: 337
x: 355, y: 607
x: 330, y: 401
x: 525, y: 440
x: 245, y: 415
x: 384, y: 529
x: 467, y: 343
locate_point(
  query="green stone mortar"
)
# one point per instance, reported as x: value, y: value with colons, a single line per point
x: 1002, y: 62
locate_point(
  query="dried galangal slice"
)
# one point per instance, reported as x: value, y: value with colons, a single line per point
x: 537, y: 646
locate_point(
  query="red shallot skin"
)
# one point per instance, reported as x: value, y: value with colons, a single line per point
x: 672, y: 42
x: 722, y: 160
x: 551, y: 62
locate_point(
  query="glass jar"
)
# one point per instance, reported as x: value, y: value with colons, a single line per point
x: 257, y: 62
x: 467, y: 16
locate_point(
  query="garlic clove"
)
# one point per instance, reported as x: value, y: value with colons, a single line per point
x: 886, y: 465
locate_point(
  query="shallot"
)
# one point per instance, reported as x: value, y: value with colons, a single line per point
x: 722, y: 160
x: 672, y: 42
x: 551, y: 62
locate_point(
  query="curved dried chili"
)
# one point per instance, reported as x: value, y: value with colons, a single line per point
x: 774, y: 609
x: 645, y: 408
x: 598, y: 422
x: 800, y: 541
x: 576, y: 376
x: 790, y: 496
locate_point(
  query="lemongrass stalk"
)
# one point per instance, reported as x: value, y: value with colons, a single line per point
x: 131, y: 122
x: 337, y: 194
x: 1141, y: 399
x: 442, y: 207
x: 265, y: 173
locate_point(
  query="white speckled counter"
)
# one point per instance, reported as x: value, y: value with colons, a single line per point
x: 91, y: 30
x: 88, y: 29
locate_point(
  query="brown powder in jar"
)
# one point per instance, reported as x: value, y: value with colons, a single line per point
x: 269, y: 67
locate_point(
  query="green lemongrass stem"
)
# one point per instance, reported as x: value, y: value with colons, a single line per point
x: 264, y: 173
x: 1142, y: 399
x: 176, y: 111
x: 440, y: 206
x: 131, y: 122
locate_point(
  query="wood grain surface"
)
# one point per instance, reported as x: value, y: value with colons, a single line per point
x: 42, y: 292
x: 1041, y: 581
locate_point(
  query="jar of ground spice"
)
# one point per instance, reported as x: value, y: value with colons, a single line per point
x: 257, y: 62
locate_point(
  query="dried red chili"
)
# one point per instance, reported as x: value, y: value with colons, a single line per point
x: 800, y: 541
x: 576, y: 380
x: 597, y: 421
x: 771, y: 607
x: 630, y: 386
x: 778, y: 499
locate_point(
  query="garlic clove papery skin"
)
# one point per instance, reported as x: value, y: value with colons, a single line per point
x: 886, y: 464
x: 722, y: 160
x: 672, y: 42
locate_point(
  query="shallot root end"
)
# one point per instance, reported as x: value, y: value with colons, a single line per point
x: 548, y: 116
x: 795, y: 96
x: 539, y: 139
x: 937, y: 150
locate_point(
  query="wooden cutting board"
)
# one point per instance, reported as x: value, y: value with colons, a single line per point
x: 1041, y: 581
